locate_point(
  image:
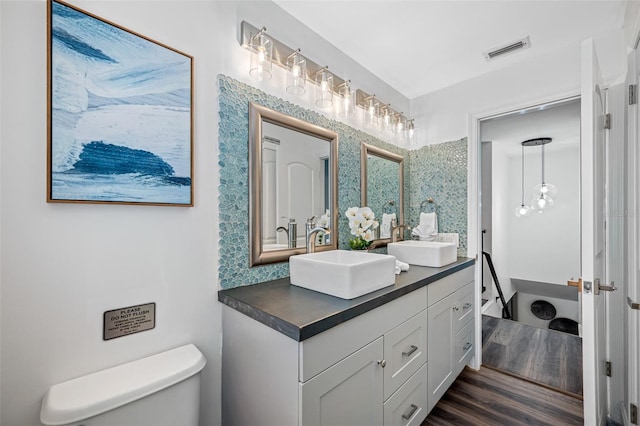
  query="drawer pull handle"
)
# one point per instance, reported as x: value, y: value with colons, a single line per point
x: 467, y: 346
x: 383, y: 363
x: 410, y: 412
x: 411, y: 350
x: 466, y: 305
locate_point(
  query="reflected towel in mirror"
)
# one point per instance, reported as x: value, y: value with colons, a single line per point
x: 385, y: 227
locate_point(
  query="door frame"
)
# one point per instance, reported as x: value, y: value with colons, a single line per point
x: 474, y: 180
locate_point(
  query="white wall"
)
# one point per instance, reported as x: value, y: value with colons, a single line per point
x: 545, y: 247
x: 500, y: 214
x: 63, y: 265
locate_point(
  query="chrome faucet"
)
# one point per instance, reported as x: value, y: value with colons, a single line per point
x: 394, y: 232
x: 311, y: 232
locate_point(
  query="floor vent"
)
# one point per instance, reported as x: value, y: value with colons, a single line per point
x: 509, y: 48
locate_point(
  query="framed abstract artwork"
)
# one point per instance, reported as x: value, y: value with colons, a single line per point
x: 120, y: 114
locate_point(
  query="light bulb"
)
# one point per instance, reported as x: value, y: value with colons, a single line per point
x: 296, y: 70
x: 541, y: 203
x: 547, y: 189
x: 261, y: 56
x: 522, y: 210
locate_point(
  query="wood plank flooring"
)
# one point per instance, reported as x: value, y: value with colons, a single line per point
x: 491, y: 398
x: 547, y: 357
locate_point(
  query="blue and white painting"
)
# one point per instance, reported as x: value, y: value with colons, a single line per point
x: 120, y: 114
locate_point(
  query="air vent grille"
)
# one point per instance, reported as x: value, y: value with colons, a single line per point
x: 509, y: 48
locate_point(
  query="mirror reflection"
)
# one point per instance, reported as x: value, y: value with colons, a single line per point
x: 382, y: 188
x: 293, y: 177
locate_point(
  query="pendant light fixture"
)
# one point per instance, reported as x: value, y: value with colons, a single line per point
x: 261, y: 48
x: 371, y: 112
x: 542, y: 198
x: 522, y: 209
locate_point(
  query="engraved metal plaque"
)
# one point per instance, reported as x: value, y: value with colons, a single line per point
x: 130, y: 320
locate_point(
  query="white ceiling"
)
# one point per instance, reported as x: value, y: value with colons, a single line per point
x: 421, y: 46
x: 560, y: 122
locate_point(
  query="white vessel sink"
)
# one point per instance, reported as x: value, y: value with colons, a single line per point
x: 423, y: 253
x: 342, y: 273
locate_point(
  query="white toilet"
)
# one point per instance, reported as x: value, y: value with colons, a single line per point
x: 162, y: 389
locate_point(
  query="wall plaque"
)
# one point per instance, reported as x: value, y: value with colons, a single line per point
x: 130, y: 320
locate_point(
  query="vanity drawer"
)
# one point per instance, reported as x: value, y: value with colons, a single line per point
x: 440, y: 289
x: 463, y: 307
x: 463, y: 349
x: 325, y: 349
x: 408, y: 406
x: 405, y: 351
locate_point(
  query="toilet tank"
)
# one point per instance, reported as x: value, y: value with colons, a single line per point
x: 162, y: 389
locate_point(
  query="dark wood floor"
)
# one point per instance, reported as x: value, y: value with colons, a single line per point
x: 547, y: 357
x: 489, y: 397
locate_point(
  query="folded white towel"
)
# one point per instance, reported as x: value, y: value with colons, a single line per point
x: 401, y: 266
x: 427, y: 230
x: 385, y: 227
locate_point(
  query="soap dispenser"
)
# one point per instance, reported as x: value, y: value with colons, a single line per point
x: 293, y: 233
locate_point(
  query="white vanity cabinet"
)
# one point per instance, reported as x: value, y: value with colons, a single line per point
x: 372, y: 369
x: 450, y: 331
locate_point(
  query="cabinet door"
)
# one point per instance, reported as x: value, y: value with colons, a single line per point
x: 439, y: 348
x: 348, y: 393
x: 405, y: 350
x: 463, y: 350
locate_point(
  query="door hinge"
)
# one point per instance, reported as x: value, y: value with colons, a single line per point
x: 607, y: 121
x: 607, y: 368
x: 633, y: 94
x: 633, y: 414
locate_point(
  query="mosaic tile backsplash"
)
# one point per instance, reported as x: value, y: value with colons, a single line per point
x: 440, y: 172
x: 437, y: 171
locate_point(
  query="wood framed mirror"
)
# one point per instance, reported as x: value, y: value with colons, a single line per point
x: 382, y: 187
x: 293, y: 174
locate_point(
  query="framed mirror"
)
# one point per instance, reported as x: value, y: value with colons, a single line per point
x: 293, y: 176
x: 382, y: 187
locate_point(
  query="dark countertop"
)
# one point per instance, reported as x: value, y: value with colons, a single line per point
x: 300, y: 313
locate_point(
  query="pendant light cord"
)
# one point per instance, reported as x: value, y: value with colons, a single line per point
x: 522, y: 192
x: 543, y: 164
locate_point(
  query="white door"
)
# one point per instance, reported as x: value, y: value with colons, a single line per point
x: 593, y: 250
x: 632, y: 296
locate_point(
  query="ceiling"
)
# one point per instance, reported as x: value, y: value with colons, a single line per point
x: 560, y: 122
x: 421, y: 46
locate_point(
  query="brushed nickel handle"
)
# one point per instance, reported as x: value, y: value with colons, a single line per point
x: 632, y: 304
x: 383, y: 363
x: 467, y: 346
x: 409, y: 412
x: 466, y: 306
x: 411, y: 350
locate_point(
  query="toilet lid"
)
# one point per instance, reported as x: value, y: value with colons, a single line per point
x: 97, y: 393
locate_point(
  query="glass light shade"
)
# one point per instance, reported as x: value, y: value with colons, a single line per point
x: 400, y: 127
x: 324, y: 89
x: 346, y: 106
x: 371, y: 112
x: 547, y: 189
x: 386, y: 120
x: 541, y: 203
x: 261, y: 48
x: 297, y: 75
x: 522, y: 210
x: 411, y: 132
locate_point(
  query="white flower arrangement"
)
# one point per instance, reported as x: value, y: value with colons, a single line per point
x: 323, y: 222
x: 362, y: 223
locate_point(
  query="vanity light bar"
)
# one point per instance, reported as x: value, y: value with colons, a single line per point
x: 279, y: 57
x: 281, y: 52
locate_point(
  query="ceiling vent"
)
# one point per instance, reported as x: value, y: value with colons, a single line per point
x: 509, y: 48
